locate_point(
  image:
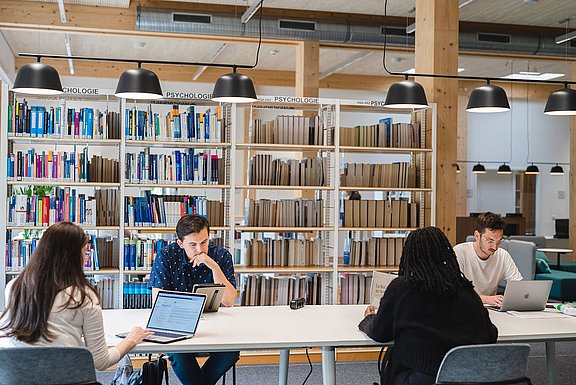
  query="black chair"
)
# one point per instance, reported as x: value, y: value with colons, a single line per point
x: 494, y: 364
x: 47, y: 366
x: 233, y: 376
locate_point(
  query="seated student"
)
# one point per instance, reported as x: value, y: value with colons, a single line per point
x: 483, y: 262
x: 179, y: 266
x: 429, y: 309
x: 51, y: 303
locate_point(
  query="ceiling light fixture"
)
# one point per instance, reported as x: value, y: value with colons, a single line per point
x: 557, y: 170
x: 532, y: 170
x: 479, y: 169
x: 38, y: 79
x: 561, y: 102
x: 139, y: 83
x: 489, y: 98
x: 504, y: 169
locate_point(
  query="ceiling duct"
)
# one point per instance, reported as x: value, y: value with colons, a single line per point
x: 229, y: 25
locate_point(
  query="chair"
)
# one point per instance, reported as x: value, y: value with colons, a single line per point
x: 233, y: 376
x: 47, y: 366
x: 492, y: 364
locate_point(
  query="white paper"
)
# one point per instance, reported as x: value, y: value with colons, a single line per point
x: 380, y: 282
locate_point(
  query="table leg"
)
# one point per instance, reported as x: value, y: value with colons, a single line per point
x: 329, y: 365
x: 550, y: 360
x: 558, y: 260
x: 283, y: 370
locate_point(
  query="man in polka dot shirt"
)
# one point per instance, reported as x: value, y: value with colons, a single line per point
x: 179, y: 266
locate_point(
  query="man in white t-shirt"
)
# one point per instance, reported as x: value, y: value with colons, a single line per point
x: 483, y: 262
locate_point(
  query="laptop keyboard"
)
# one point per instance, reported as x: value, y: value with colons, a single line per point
x: 166, y: 334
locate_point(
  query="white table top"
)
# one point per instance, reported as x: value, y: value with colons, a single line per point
x: 549, y: 250
x: 279, y: 327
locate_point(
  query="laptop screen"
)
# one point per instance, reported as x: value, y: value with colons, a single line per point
x: 176, y: 312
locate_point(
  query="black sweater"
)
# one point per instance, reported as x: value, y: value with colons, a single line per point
x: 425, y: 327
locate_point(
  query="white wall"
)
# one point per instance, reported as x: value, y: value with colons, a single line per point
x: 534, y: 137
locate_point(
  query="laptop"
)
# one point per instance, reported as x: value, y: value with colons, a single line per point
x: 214, y: 293
x: 174, y: 316
x: 525, y: 296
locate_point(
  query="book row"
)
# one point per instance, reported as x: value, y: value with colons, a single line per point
x: 290, y: 252
x: 391, y: 175
x: 263, y: 170
x: 62, y: 166
x: 62, y: 122
x: 186, y: 167
x: 262, y: 290
x: 63, y: 205
x: 290, y: 129
x: 391, y: 213
x: 166, y: 210
x: 383, y: 134
x: 284, y: 213
x: 105, y: 287
x: 186, y: 126
x: 136, y: 295
x: 139, y: 253
x: 376, y: 252
x: 354, y: 289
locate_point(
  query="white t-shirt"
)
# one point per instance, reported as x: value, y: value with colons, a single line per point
x: 486, y: 274
x: 73, y: 327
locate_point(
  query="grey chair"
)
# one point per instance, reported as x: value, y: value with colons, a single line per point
x: 47, y: 366
x: 492, y: 364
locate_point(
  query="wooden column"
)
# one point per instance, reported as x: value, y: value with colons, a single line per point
x: 307, y: 68
x: 572, y: 180
x: 437, y: 52
x: 308, y: 84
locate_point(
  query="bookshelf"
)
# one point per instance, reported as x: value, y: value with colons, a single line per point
x: 145, y: 148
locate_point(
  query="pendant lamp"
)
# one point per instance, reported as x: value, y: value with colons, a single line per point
x: 557, y: 170
x: 504, y: 169
x: 488, y: 98
x: 138, y: 83
x: 532, y: 170
x: 234, y: 88
x: 37, y: 79
x: 479, y: 169
x: 406, y: 94
x: 561, y: 102
x: 457, y: 168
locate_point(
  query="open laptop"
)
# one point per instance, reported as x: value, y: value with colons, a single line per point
x: 214, y: 293
x: 525, y: 296
x: 174, y: 316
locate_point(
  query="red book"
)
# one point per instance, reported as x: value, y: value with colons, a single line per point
x: 45, y: 211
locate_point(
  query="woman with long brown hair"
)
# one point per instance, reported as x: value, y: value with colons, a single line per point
x: 52, y: 303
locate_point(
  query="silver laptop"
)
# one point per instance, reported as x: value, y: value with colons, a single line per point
x: 525, y: 295
x: 174, y: 316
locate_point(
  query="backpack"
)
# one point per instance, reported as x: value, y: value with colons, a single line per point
x: 151, y: 373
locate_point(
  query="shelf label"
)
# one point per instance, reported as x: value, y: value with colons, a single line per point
x: 187, y: 95
x: 87, y: 91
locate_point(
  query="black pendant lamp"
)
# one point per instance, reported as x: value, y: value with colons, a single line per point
x: 234, y: 88
x: 479, y: 169
x: 504, y: 169
x: 561, y: 102
x: 457, y: 168
x: 138, y: 83
x: 532, y: 170
x: 406, y: 94
x: 37, y: 79
x: 557, y: 170
x: 488, y: 98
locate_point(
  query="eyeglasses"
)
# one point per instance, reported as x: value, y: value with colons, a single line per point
x: 492, y: 241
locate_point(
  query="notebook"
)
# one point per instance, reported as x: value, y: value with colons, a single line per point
x: 174, y: 316
x: 214, y: 293
x: 525, y: 295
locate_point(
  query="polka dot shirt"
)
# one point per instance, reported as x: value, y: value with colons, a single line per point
x: 171, y: 269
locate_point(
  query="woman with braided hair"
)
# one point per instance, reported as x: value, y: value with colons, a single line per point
x: 429, y: 309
